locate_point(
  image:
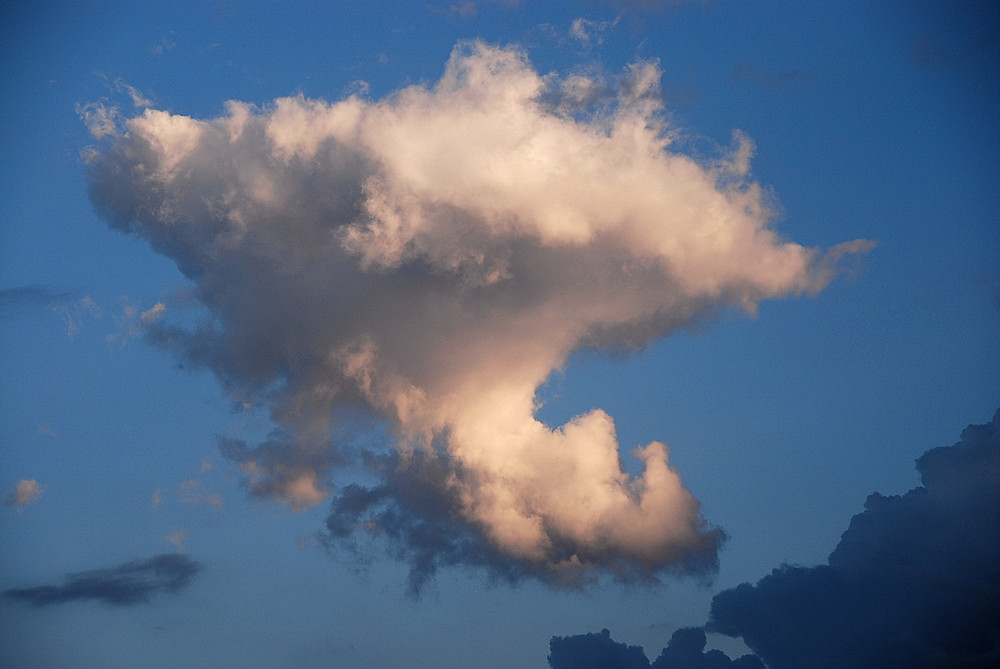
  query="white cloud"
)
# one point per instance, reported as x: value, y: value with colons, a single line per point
x: 587, y: 31
x: 138, y: 99
x: 27, y: 491
x: 433, y: 257
x: 100, y: 119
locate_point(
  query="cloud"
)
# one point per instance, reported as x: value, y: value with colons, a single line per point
x: 599, y: 651
x: 193, y: 493
x: 138, y: 99
x: 429, y: 259
x: 47, y: 431
x: 27, y: 491
x: 586, y: 31
x: 914, y: 581
x: 176, y: 538
x: 70, y: 306
x: 19, y: 298
x: 101, y: 119
x: 125, y: 585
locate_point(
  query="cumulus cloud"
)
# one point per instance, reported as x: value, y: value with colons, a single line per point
x: 914, y: 581
x: 27, y: 491
x: 127, y: 584
x: 429, y: 259
x: 686, y: 650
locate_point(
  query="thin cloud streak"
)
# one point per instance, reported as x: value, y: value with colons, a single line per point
x: 429, y: 259
x: 127, y: 584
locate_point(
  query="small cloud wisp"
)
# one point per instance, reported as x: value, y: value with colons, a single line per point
x: 27, y: 491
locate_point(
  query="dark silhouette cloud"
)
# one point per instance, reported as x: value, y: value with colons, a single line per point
x: 127, y: 584
x: 686, y: 650
x: 594, y: 651
x: 914, y: 581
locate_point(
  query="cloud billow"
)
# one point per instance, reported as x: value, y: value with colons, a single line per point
x: 429, y: 259
x: 127, y: 584
x: 914, y: 581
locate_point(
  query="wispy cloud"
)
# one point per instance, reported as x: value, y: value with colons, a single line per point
x: 587, y: 31
x: 19, y: 298
x: 135, y: 95
x: 192, y: 492
x: 44, y: 429
x: 125, y: 585
x: 176, y: 538
x: 101, y: 119
x: 27, y: 491
x: 430, y: 259
x: 73, y: 308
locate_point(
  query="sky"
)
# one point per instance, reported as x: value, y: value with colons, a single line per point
x: 500, y: 334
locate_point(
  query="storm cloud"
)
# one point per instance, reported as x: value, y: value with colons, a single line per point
x: 914, y: 581
x: 429, y: 259
x: 127, y: 584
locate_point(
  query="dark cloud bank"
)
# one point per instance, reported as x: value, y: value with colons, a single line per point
x: 914, y: 582
x: 130, y: 583
x: 686, y: 650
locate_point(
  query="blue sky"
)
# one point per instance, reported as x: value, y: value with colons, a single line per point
x: 497, y: 252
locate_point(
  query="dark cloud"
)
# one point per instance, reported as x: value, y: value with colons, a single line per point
x: 914, y: 581
x: 686, y: 650
x: 125, y: 585
x: 594, y: 651
x: 416, y: 514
